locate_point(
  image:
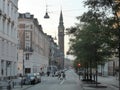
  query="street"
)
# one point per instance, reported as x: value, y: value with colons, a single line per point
x: 71, y: 82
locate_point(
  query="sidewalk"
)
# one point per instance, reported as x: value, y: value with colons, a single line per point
x: 15, y: 86
x: 23, y: 88
x: 109, y: 81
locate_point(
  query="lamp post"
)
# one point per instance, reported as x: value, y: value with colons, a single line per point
x: 23, y: 64
x: 114, y: 8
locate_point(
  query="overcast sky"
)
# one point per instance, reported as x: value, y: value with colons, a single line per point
x: 70, y: 8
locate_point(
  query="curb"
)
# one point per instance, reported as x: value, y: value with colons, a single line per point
x: 114, y: 85
x: 27, y: 87
x: 23, y: 88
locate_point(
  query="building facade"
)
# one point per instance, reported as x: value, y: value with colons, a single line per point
x: 8, y: 38
x: 34, y: 43
x: 54, y: 54
x: 111, y: 67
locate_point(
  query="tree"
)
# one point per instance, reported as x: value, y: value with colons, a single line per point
x: 94, y: 40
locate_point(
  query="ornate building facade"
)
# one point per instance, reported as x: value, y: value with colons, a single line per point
x: 8, y: 38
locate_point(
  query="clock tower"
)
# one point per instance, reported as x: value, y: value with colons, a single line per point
x: 61, y: 33
x: 61, y: 38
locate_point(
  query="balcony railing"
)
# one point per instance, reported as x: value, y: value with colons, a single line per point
x: 28, y: 49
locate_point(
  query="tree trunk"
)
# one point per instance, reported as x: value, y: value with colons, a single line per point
x: 96, y: 74
x: 91, y: 70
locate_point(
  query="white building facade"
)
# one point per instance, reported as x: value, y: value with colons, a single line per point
x: 34, y: 43
x: 8, y: 38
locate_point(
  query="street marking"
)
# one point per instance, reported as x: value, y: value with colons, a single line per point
x: 62, y: 82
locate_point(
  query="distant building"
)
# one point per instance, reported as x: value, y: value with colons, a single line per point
x: 8, y: 38
x: 68, y: 63
x: 110, y: 67
x: 34, y: 43
x: 54, y: 54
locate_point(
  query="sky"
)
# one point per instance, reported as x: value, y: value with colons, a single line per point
x: 70, y: 9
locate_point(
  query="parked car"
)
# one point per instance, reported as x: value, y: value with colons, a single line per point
x: 38, y: 77
x: 26, y: 80
x: 30, y: 79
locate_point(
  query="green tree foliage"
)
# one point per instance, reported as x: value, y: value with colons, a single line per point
x: 95, y: 37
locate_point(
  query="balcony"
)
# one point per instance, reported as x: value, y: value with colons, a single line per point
x: 28, y: 49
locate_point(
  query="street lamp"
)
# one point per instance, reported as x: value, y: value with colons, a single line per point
x: 23, y: 64
x: 46, y: 14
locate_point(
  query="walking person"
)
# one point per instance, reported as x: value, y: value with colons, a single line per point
x: 48, y: 73
x: 64, y: 76
x: 21, y: 82
x: 13, y: 84
x: 9, y: 84
x: 59, y: 75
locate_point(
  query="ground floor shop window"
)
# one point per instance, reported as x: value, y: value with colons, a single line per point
x: 27, y: 70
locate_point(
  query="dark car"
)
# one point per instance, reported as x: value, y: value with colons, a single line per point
x: 30, y: 79
x: 26, y: 80
x: 38, y: 77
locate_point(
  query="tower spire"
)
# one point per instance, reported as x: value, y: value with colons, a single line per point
x: 61, y: 19
x: 61, y: 32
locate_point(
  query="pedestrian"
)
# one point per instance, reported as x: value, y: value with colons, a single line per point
x: 21, y: 83
x: 59, y: 75
x: 9, y: 84
x: 48, y: 73
x: 64, y: 76
x: 13, y: 84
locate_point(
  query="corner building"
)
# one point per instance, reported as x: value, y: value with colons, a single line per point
x: 8, y: 38
x: 34, y: 44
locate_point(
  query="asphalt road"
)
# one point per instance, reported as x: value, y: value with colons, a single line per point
x: 71, y: 82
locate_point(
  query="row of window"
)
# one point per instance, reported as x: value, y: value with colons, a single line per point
x: 6, y: 49
x: 8, y: 7
x: 7, y: 28
x: 4, y: 68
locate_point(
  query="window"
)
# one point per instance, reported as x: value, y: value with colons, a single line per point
x: 31, y: 27
x: 8, y: 7
x: 27, y: 35
x: 3, y: 26
x: 27, y: 56
x: 7, y: 28
x: 21, y: 25
x: 27, y: 70
x: 2, y: 65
